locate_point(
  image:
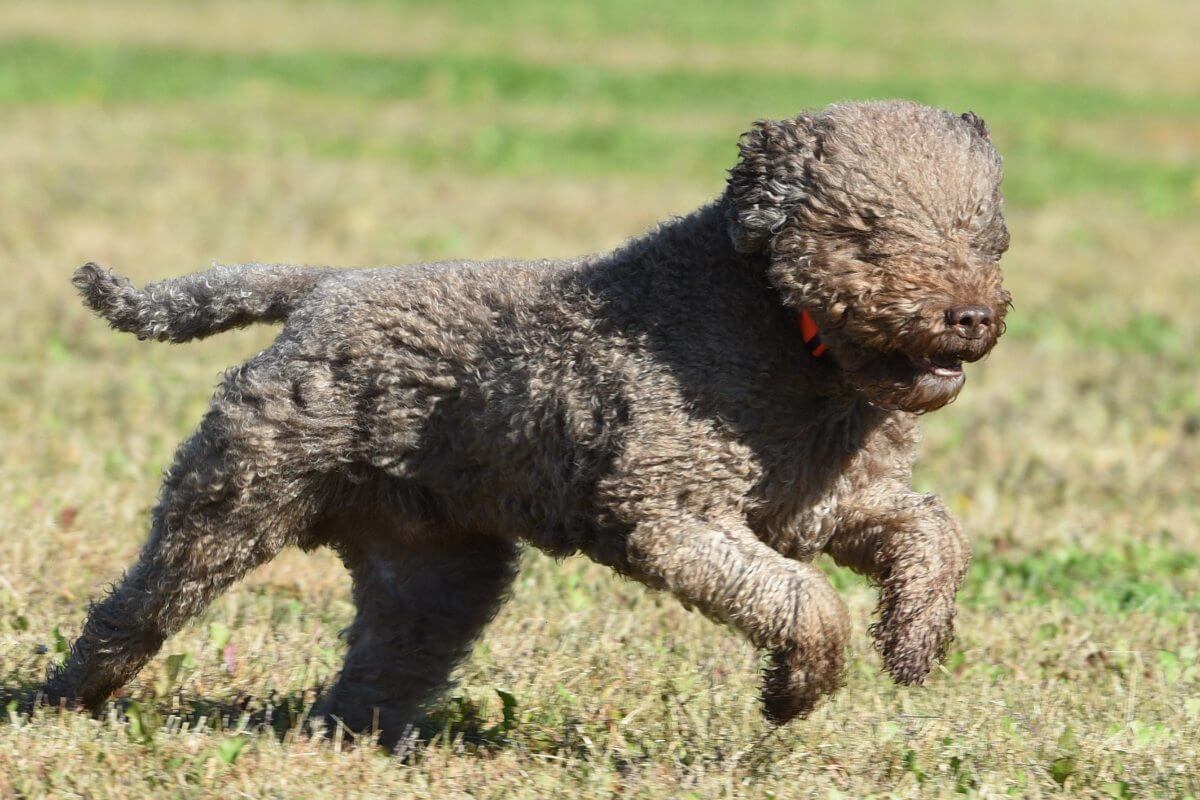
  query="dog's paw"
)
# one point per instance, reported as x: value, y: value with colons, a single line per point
x: 912, y: 644
x: 796, y: 679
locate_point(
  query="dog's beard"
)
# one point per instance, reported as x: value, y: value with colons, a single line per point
x: 920, y: 393
x: 919, y: 369
x: 898, y: 382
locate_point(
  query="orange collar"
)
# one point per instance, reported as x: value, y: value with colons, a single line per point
x: 810, y: 334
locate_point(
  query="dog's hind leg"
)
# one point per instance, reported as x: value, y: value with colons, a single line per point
x: 234, y: 498
x: 420, y: 607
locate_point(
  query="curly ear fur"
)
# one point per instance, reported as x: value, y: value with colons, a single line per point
x: 769, y: 179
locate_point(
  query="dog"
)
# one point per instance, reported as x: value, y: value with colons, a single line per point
x: 704, y: 410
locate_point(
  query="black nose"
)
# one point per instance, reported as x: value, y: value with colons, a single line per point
x: 969, y: 321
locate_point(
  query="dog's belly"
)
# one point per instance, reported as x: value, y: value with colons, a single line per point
x: 480, y: 477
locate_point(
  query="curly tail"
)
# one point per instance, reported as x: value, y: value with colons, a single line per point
x: 198, y: 305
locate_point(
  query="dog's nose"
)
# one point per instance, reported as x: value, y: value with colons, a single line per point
x: 969, y: 321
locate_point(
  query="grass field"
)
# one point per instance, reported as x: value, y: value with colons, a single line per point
x: 159, y: 136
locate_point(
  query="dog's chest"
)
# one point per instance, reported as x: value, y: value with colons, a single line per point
x: 805, y: 490
x: 793, y: 515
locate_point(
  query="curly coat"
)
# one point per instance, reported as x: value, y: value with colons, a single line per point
x: 654, y: 408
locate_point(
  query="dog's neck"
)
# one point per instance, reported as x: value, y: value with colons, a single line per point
x: 700, y: 303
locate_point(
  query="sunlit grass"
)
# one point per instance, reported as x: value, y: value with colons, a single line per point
x: 1045, y: 163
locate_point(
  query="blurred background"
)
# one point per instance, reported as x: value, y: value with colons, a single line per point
x: 158, y: 137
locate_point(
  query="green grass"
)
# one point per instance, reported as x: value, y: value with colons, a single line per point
x: 1046, y: 164
x: 40, y: 71
x: 1134, y: 578
x: 158, y: 136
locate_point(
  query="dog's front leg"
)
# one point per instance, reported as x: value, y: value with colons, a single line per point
x: 785, y: 607
x: 916, y: 551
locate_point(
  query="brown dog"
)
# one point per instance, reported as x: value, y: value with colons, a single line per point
x: 704, y: 409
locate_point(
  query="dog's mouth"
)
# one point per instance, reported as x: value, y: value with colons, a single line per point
x: 898, y: 380
x: 941, y: 366
x: 920, y: 375
x: 906, y: 382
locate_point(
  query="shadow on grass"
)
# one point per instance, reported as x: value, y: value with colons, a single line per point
x: 457, y: 722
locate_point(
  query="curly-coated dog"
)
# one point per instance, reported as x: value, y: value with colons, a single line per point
x: 704, y: 410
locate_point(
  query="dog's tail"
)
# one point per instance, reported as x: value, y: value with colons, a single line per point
x: 198, y: 305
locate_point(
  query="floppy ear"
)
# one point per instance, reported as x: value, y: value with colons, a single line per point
x: 976, y: 122
x: 768, y: 179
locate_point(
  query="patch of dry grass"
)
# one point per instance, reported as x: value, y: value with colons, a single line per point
x: 1073, y: 458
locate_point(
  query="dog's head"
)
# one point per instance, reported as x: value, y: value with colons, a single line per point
x: 883, y: 221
